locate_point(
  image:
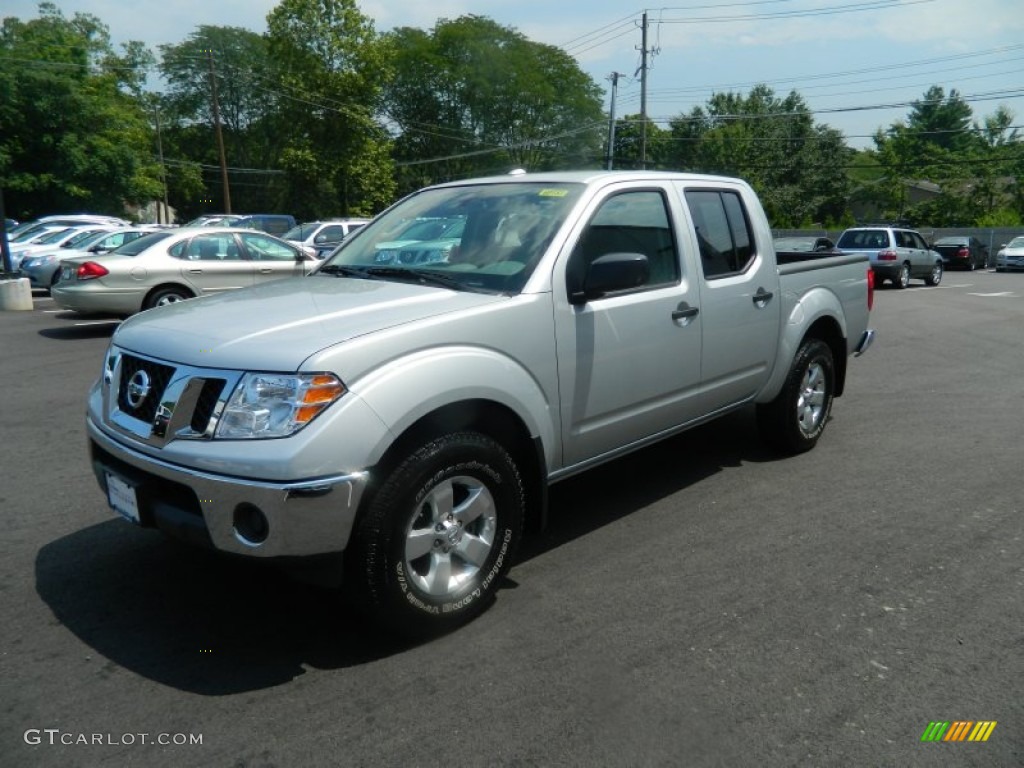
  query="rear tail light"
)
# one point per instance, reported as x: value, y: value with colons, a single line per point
x: 887, y: 256
x: 90, y: 270
x: 871, y: 289
x: 963, y: 253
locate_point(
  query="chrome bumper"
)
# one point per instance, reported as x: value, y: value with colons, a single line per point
x: 306, y: 517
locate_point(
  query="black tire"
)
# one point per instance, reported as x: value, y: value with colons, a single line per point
x: 796, y: 418
x: 935, y: 276
x: 163, y: 296
x: 438, y: 536
x: 902, y: 280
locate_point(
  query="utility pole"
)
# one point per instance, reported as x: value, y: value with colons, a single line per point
x: 220, y: 136
x: 643, y: 95
x: 610, y: 154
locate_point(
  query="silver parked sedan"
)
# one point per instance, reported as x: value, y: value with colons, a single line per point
x: 169, y: 266
x: 1011, y: 255
x: 43, y: 269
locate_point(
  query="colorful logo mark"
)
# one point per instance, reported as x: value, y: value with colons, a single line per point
x: 959, y: 730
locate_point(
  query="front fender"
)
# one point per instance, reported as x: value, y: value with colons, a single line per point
x: 405, y: 390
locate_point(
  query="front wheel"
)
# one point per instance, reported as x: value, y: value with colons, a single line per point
x: 439, y: 535
x: 935, y: 276
x: 795, y: 419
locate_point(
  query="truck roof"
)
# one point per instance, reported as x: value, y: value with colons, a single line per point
x: 589, y: 177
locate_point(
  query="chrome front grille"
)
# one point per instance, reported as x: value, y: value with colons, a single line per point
x: 154, y: 376
x: 157, y: 402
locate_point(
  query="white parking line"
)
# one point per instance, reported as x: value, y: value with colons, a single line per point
x: 988, y: 295
x: 99, y: 322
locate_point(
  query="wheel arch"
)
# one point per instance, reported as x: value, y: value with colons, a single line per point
x: 490, y: 418
x: 827, y: 330
x: 163, y: 286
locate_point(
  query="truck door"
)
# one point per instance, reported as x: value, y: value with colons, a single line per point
x: 740, y: 301
x: 629, y: 361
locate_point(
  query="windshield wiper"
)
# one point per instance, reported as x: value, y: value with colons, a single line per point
x: 341, y: 270
x: 424, y: 277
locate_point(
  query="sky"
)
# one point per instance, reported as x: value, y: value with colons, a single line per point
x: 857, y: 63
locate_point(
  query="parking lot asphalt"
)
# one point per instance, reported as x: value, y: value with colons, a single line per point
x: 699, y: 603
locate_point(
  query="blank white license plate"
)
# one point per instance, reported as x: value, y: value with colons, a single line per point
x: 122, y: 498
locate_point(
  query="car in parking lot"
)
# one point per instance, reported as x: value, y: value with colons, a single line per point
x: 323, y: 236
x: 962, y: 252
x: 168, y: 266
x: 274, y: 223
x: 804, y: 244
x: 1010, y: 255
x: 53, y: 240
x: 43, y: 268
x: 896, y: 254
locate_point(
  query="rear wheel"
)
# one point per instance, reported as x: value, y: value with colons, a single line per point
x: 795, y: 419
x: 935, y: 276
x: 439, y: 535
x: 902, y: 280
x: 164, y: 296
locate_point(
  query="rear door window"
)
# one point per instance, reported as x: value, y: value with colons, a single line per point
x: 723, y: 232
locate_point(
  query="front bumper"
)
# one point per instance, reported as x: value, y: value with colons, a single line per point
x: 1010, y: 262
x: 300, y: 518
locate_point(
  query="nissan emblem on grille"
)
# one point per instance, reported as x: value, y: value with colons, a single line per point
x: 138, y: 388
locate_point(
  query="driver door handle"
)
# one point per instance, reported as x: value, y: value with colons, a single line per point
x: 684, y: 312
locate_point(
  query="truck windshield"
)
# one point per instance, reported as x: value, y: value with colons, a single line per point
x: 478, y: 237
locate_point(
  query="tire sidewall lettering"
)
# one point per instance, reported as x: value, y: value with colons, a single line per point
x: 454, y: 606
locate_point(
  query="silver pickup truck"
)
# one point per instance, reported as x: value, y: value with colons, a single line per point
x: 411, y: 411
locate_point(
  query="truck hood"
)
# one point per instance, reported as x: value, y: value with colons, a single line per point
x: 276, y: 326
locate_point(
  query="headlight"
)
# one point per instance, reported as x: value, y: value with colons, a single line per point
x: 276, y: 405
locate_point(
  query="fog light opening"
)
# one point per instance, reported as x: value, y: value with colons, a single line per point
x: 251, y: 526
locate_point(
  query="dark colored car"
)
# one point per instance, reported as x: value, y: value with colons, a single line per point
x: 962, y: 252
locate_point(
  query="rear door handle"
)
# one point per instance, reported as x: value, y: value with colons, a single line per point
x: 762, y: 297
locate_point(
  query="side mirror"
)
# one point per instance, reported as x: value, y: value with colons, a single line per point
x: 610, y: 273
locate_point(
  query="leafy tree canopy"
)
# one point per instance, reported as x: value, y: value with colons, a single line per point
x: 73, y: 134
x: 474, y: 96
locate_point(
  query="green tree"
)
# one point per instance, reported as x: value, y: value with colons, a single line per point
x: 332, y: 66
x: 472, y: 96
x: 632, y: 146
x: 73, y: 134
x: 237, y: 61
x: 975, y: 166
x: 795, y: 165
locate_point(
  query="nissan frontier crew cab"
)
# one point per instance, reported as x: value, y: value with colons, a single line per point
x: 409, y: 406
